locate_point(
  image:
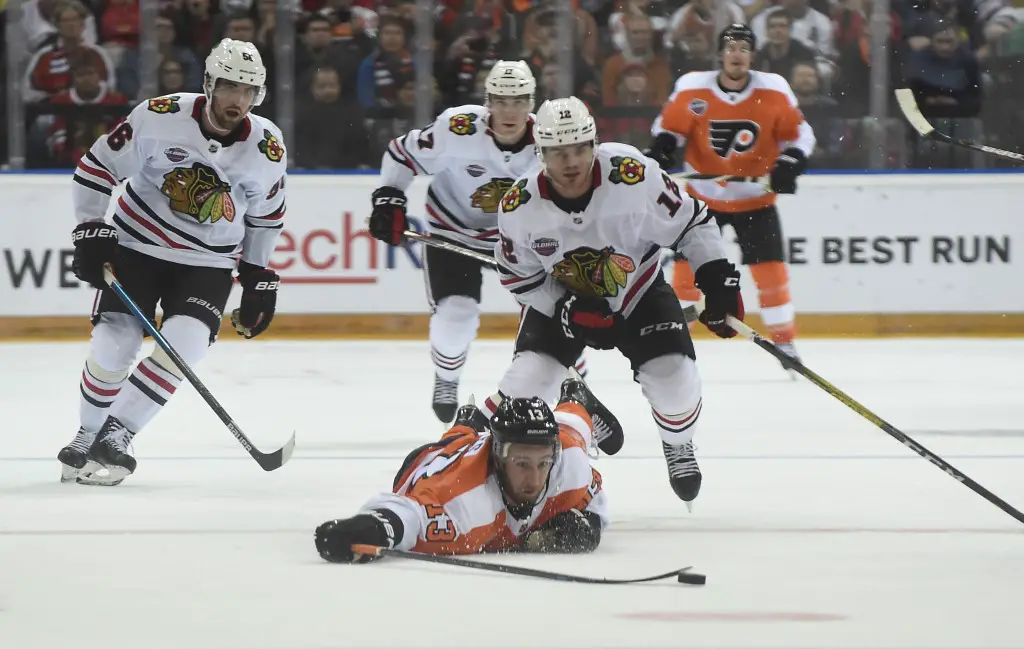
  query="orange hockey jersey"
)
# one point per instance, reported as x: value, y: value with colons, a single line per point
x: 733, y: 134
x: 449, y: 498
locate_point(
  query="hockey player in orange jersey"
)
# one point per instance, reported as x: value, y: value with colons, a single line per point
x: 740, y: 122
x: 520, y: 482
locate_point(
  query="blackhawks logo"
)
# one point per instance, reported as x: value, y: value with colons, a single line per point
x: 486, y: 197
x: 594, y: 273
x: 515, y: 197
x: 199, y: 192
x: 270, y: 147
x: 462, y: 124
x: 626, y: 170
x: 164, y: 105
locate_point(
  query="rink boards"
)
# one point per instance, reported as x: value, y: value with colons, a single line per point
x: 893, y: 254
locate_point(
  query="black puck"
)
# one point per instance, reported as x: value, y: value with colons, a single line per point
x: 693, y: 578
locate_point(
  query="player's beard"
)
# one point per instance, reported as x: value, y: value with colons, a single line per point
x: 221, y: 120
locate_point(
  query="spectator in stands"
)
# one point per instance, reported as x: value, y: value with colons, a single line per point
x: 852, y: 85
x: 483, y: 38
x: 585, y: 82
x: 48, y: 72
x: 922, y: 18
x: 330, y: 132
x: 656, y: 11
x: 806, y: 84
x: 707, y: 16
x: 780, y: 53
x: 316, y: 49
x: 71, y: 134
x: 644, y: 52
x: 548, y: 81
x: 945, y: 77
x: 170, y: 77
x: 266, y: 18
x: 119, y: 27
x: 128, y: 73
x: 349, y: 20
x: 548, y: 13
x: 807, y: 25
x: 195, y: 27
x: 693, y: 53
x: 376, y: 76
x: 39, y: 24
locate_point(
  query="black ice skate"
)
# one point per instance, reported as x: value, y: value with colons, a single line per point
x: 446, y: 399
x: 607, y: 430
x: 110, y: 450
x: 74, y: 458
x: 683, y: 472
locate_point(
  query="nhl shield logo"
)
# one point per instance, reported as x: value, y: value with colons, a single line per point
x: 698, y: 107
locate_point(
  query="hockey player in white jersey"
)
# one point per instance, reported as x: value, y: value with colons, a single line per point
x: 580, y: 246
x: 473, y: 154
x: 204, y: 195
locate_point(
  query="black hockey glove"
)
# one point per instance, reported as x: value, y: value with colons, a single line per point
x: 662, y: 150
x: 259, y: 300
x: 334, y: 539
x: 790, y: 164
x: 570, y: 532
x: 589, y: 320
x: 95, y: 245
x: 472, y: 417
x: 720, y: 282
x: 387, y: 220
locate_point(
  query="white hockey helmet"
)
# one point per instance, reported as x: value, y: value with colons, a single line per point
x: 511, y: 79
x: 563, y: 121
x: 236, y: 61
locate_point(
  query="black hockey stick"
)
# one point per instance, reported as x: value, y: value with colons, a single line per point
x: 690, y: 313
x: 861, y: 410
x: 682, y: 575
x: 268, y: 461
x: 905, y: 98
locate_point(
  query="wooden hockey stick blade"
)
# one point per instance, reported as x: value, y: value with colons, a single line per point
x: 498, y: 567
x: 905, y: 99
x: 267, y: 461
x: 907, y: 103
x: 744, y: 330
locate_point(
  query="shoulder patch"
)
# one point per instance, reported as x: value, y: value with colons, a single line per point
x: 515, y: 196
x: 270, y: 147
x: 462, y: 124
x: 164, y: 105
x: 627, y: 170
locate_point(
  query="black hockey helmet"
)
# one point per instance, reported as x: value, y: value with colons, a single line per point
x: 737, y: 32
x: 523, y: 421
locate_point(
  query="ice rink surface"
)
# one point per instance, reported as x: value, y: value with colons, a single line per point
x: 814, y: 528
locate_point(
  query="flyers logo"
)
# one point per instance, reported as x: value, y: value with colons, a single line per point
x: 732, y: 135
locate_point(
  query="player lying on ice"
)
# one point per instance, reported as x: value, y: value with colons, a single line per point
x: 519, y: 482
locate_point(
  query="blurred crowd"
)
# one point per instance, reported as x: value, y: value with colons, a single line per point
x: 355, y: 59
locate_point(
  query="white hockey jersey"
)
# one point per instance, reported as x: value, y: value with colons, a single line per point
x: 470, y: 170
x: 189, y: 199
x: 612, y: 249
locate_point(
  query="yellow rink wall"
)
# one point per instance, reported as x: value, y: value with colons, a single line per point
x: 869, y: 255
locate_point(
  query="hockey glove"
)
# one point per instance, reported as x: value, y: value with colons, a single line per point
x: 570, y: 532
x: 387, y: 220
x: 720, y: 282
x: 259, y: 300
x: 788, y: 166
x: 588, y: 320
x: 95, y: 245
x: 334, y: 539
x: 662, y: 150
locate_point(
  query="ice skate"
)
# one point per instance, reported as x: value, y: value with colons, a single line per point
x: 110, y: 450
x: 74, y: 458
x: 683, y: 473
x: 446, y: 399
x: 607, y: 431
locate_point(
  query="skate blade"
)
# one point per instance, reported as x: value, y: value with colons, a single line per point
x: 70, y: 474
x: 689, y: 506
x: 111, y: 477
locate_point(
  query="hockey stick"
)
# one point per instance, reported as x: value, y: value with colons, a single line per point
x: 690, y: 313
x: 764, y: 181
x: 268, y: 461
x: 861, y: 410
x: 905, y: 98
x: 682, y: 575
